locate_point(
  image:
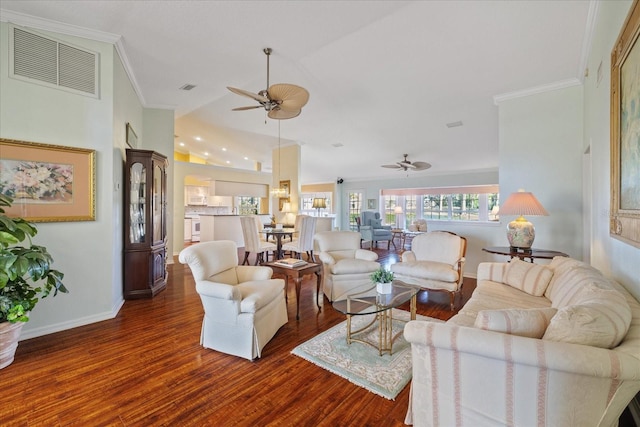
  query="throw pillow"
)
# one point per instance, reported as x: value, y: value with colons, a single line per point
x: 376, y: 223
x: 601, y: 319
x: 530, y: 322
x: 527, y: 276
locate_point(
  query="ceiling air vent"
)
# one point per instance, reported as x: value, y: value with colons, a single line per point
x: 52, y: 63
x: 187, y: 86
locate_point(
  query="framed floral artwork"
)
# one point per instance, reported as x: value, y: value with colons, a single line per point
x: 625, y: 131
x: 48, y: 183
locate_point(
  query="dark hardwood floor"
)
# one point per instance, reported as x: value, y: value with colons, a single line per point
x: 146, y: 368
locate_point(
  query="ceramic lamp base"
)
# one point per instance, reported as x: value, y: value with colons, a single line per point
x: 521, y: 233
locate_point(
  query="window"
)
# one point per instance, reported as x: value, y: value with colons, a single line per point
x: 355, y: 208
x: 471, y: 203
x: 306, y: 204
x: 248, y: 205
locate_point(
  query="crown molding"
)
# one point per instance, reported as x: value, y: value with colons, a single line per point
x: 594, y: 7
x: 35, y: 22
x: 497, y: 99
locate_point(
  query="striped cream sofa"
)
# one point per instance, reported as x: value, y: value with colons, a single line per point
x: 536, y: 345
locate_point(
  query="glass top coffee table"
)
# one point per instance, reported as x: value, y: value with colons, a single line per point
x: 381, y: 306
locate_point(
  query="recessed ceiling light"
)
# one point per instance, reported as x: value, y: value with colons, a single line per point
x: 454, y: 124
x: 246, y: 158
x: 228, y: 162
x: 206, y: 154
x: 224, y: 149
x: 197, y: 138
x: 182, y: 144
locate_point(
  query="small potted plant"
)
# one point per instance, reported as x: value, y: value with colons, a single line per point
x: 25, y: 276
x: 382, y: 278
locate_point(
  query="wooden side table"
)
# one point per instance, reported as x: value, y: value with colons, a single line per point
x: 523, y: 253
x: 297, y: 273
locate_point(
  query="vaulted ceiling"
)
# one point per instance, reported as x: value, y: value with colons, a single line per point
x: 385, y: 77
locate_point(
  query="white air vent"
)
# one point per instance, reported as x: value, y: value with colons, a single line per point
x: 52, y: 63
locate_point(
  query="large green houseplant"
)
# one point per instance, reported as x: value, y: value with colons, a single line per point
x: 25, y: 277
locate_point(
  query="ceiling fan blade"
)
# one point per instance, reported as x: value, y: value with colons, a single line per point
x: 406, y: 165
x: 248, y: 94
x: 246, y: 108
x: 420, y: 166
x: 289, y: 97
x: 280, y: 114
x: 392, y: 166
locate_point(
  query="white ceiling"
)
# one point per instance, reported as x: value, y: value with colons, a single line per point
x: 384, y: 77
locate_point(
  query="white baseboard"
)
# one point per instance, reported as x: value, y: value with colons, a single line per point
x: 63, y: 326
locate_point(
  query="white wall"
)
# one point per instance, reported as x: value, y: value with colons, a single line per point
x: 540, y: 140
x: 615, y: 258
x: 83, y: 251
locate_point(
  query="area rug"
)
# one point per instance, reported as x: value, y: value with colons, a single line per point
x: 360, y: 363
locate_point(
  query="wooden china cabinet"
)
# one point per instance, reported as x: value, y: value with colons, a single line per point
x: 145, y: 224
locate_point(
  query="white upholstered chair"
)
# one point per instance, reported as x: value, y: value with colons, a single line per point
x: 243, y: 306
x: 305, y: 227
x: 346, y: 268
x: 252, y: 241
x: 435, y: 262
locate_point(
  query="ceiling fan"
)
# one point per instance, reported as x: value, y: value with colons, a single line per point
x: 281, y: 101
x: 407, y: 165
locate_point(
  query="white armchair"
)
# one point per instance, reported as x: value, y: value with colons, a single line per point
x: 243, y: 306
x: 435, y: 262
x: 346, y: 268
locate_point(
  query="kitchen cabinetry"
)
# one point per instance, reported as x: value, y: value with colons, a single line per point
x: 145, y: 224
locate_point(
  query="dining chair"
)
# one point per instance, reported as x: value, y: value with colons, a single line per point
x: 305, y: 228
x: 252, y: 241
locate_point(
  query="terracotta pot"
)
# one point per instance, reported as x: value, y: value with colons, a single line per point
x: 9, y: 334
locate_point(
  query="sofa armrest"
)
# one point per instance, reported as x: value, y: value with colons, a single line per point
x: 542, y: 354
x: 468, y: 376
x: 218, y: 290
x: 366, y: 255
x: 493, y: 271
x: 248, y: 273
x: 326, y: 258
x: 408, y: 256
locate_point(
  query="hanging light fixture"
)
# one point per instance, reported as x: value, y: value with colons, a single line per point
x: 279, y: 191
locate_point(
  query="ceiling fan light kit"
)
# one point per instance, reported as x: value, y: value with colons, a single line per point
x: 281, y: 101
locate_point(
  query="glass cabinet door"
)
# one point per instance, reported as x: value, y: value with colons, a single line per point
x: 137, y: 211
x: 157, y: 204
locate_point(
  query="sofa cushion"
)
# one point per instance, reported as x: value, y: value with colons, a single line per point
x: 490, y: 295
x: 560, y: 266
x: 528, y: 277
x: 530, y: 322
x: 568, y: 288
x: 426, y: 270
x: 599, y: 316
x: 354, y: 266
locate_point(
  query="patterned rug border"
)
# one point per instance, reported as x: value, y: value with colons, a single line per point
x: 378, y: 366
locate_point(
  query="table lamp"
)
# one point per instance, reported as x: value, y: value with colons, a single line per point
x: 521, y: 232
x: 398, y: 211
x: 319, y: 203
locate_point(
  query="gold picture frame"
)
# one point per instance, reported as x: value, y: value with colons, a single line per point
x: 132, y: 138
x: 624, y: 221
x: 286, y: 185
x: 48, y: 183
